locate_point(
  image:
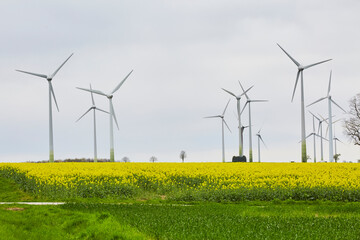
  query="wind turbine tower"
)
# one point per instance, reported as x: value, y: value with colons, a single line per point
x: 222, y: 129
x: 330, y: 101
x: 259, y: 139
x: 51, y: 95
x: 301, y: 68
x: 112, y: 112
x: 238, y: 97
x: 249, y: 101
x: 93, y: 107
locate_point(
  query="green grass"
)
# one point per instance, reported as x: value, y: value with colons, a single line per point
x: 54, y: 222
x: 247, y: 220
x: 166, y: 219
x: 10, y: 192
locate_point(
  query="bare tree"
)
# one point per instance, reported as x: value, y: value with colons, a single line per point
x: 153, y: 159
x: 125, y: 159
x: 352, y: 124
x: 182, y: 155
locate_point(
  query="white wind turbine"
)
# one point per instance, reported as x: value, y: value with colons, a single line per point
x: 314, y: 134
x: 112, y: 112
x: 301, y: 68
x: 321, y: 135
x: 336, y: 140
x: 93, y: 107
x: 317, y: 135
x: 222, y: 129
x: 330, y: 101
x: 259, y: 139
x: 238, y: 97
x: 249, y: 101
x: 51, y: 94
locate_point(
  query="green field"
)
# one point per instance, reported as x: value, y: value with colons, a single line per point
x: 177, y: 220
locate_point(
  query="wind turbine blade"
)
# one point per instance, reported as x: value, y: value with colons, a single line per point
x: 93, y: 91
x: 101, y: 110
x: 35, y: 74
x: 297, y: 79
x: 311, y: 65
x: 229, y: 92
x: 84, y: 114
x: 329, y: 84
x: 309, y: 135
x: 121, y: 83
x: 244, y: 107
x: 338, y: 140
x: 337, y: 105
x: 314, y: 115
x: 226, y: 125
x: 259, y: 100
x: 92, y: 97
x: 245, y: 92
x: 262, y: 141
x: 292, y: 59
x: 53, y: 94
x: 114, y: 116
x: 319, y: 127
x: 53, y: 75
x: 218, y: 116
x: 226, y: 107
x: 320, y: 137
x: 316, y: 101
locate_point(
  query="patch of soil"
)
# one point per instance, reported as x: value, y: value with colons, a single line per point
x: 15, y: 209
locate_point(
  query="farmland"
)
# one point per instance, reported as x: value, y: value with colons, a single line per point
x: 188, y: 182
x: 181, y: 201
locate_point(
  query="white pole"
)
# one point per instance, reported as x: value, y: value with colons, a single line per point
x: 259, y: 148
x: 95, y: 147
x: 321, y: 141
x: 331, y: 152
x: 239, y: 119
x: 303, y: 137
x: 250, y: 137
x: 223, y: 142
x: 51, y: 141
x: 112, y: 155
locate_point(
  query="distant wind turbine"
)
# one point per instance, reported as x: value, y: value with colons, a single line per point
x: 51, y: 94
x: 301, y: 68
x: 238, y: 97
x: 259, y: 139
x: 249, y: 101
x: 112, y: 112
x: 314, y: 134
x: 222, y: 129
x: 336, y: 140
x: 93, y: 107
x: 330, y: 101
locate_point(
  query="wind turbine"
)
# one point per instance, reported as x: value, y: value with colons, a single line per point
x: 222, y: 129
x: 336, y: 140
x: 301, y: 68
x: 93, y: 107
x: 112, y: 112
x: 249, y: 101
x: 317, y: 135
x: 321, y: 135
x: 314, y: 134
x: 259, y: 139
x: 238, y: 97
x: 51, y: 94
x: 330, y: 101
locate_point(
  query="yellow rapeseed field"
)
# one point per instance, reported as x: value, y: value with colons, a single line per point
x: 284, y: 178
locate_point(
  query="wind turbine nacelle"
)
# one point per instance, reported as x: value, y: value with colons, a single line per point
x: 301, y: 67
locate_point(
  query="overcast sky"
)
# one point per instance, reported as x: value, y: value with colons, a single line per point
x: 182, y: 53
